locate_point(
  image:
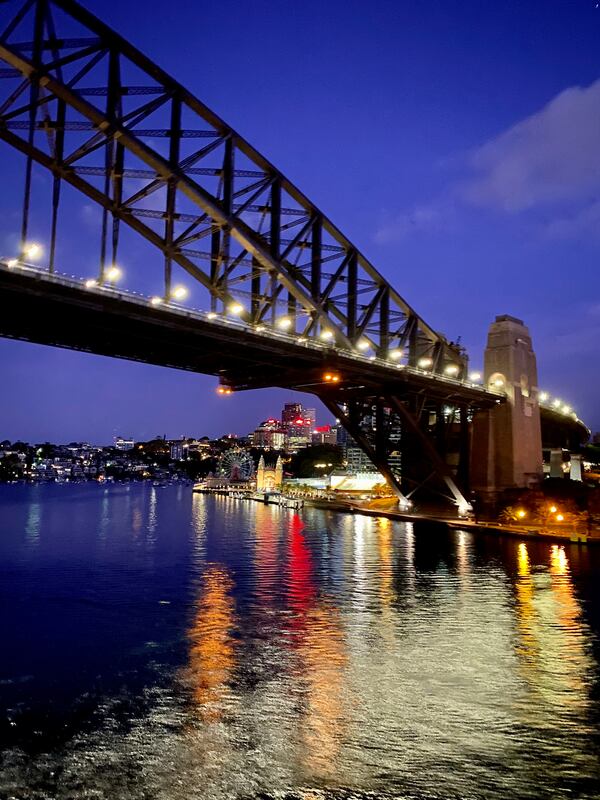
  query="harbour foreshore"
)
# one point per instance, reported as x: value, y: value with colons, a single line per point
x: 483, y: 526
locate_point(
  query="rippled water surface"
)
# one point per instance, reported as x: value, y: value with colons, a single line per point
x: 159, y: 644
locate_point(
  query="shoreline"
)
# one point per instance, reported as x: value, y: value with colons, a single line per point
x: 481, y: 526
x: 489, y: 527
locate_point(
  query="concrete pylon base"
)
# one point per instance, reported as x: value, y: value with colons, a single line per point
x: 506, y: 448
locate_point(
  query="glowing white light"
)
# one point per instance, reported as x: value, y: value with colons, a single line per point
x: 395, y: 355
x: 211, y: 315
x: 327, y: 335
x: 90, y: 283
x: 12, y: 262
x: 557, y: 403
x: 451, y: 369
x: 464, y: 508
x: 424, y: 363
x: 236, y: 308
x: 363, y: 344
x: 475, y: 377
x: 566, y: 409
x: 260, y: 328
x: 284, y: 323
x: 32, y: 250
x: 372, y: 358
x: 156, y: 301
x: 179, y: 293
x: 543, y: 397
x: 113, y: 273
x: 498, y: 383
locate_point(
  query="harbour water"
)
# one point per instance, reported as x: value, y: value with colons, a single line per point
x: 159, y: 644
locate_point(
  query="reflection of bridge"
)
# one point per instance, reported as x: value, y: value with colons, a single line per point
x: 289, y: 300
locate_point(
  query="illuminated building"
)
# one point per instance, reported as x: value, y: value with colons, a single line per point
x: 324, y: 434
x: 124, y: 444
x: 269, y: 478
x: 269, y: 435
x: 298, y: 424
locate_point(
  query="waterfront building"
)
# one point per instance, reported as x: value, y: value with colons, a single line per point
x: 269, y: 478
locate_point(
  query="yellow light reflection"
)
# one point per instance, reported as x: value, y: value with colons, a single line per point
x: 316, y: 637
x: 212, y: 646
x: 552, y: 634
x: 386, y: 571
x: 323, y: 654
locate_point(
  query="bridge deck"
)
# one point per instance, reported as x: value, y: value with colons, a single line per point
x: 56, y: 310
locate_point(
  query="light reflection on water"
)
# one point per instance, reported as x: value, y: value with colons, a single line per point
x: 211, y: 648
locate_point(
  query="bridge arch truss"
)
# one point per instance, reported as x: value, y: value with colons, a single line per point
x: 82, y: 102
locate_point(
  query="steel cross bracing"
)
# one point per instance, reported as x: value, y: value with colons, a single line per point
x: 82, y: 102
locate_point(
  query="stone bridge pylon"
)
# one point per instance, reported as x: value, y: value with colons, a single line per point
x: 506, y: 448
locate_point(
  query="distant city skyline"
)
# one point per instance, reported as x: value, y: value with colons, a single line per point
x: 458, y: 151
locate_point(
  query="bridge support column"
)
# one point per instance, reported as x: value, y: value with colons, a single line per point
x: 507, y: 441
x: 576, y: 467
x: 556, y: 463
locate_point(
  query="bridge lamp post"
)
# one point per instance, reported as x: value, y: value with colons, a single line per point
x: 543, y: 397
x: 557, y: 403
x: 156, y: 301
x: 475, y: 377
x: 236, y: 309
x: 362, y: 345
x: 425, y: 363
x: 396, y: 355
x: 451, y: 370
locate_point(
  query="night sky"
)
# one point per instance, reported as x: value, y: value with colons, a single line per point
x: 456, y: 143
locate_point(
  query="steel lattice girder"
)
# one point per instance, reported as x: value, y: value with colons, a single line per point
x: 268, y: 244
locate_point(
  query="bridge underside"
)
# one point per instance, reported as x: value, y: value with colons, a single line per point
x: 373, y: 401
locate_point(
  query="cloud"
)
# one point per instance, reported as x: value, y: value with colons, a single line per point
x: 550, y: 156
x: 584, y: 221
x: 549, y: 160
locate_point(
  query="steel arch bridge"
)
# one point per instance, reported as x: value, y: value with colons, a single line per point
x: 289, y: 300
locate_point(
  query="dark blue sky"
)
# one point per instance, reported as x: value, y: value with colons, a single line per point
x: 456, y: 143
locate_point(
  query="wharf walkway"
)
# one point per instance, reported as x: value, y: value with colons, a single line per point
x: 484, y: 526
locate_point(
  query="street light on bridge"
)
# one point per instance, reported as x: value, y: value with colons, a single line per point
x: 179, y: 293
x: 113, y: 273
x: 285, y: 323
x: 32, y: 251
